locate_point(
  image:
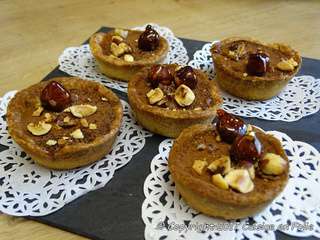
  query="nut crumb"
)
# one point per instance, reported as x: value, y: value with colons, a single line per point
x: 62, y: 141
x: 218, y: 138
x: 201, y: 147
x: 66, y: 119
x: 51, y: 142
x: 84, y: 122
x: 92, y: 126
x: 37, y: 112
x: 48, y: 117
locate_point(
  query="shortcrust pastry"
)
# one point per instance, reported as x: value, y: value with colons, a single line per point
x: 165, y: 99
x: 252, y: 70
x: 121, y: 53
x: 65, y: 123
x: 231, y: 170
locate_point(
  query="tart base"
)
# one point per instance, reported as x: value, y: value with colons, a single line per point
x: 69, y: 156
x: 170, y: 122
x: 168, y: 126
x: 70, y: 159
x: 216, y: 208
x: 201, y: 194
x: 119, y: 69
x: 249, y: 90
x: 251, y: 87
x: 122, y: 72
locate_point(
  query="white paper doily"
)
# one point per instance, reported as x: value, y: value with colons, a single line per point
x: 27, y: 189
x: 79, y: 62
x: 299, y: 99
x: 299, y: 203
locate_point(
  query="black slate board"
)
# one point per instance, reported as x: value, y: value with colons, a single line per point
x: 114, y: 211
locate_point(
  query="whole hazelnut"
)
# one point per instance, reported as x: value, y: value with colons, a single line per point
x: 229, y: 126
x: 55, y: 97
x: 187, y: 76
x: 246, y: 148
x: 149, y: 39
x: 160, y: 74
x: 257, y: 64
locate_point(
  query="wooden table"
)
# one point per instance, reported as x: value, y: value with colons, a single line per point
x: 34, y: 34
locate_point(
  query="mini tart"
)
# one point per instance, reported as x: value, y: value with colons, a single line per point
x: 230, y: 68
x: 169, y: 120
x: 67, y: 152
x: 118, y: 68
x: 198, y: 190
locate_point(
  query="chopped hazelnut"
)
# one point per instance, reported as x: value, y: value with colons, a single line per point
x: 287, y: 65
x: 155, y: 95
x: 39, y: 129
x: 184, y: 96
x: 66, y: 119
x: 128, y: 58
x: 84, y: 122
x: 201, y: 147
x: 222, y: 164
x: 126, y: 48
x: 272, y: 164
x: 48, y: 117
x: 199, y: 166
x: 219, y: 181
x: 239, y: 179
x: 51, y: 142
x: 117, y: 39
x: 62, y: 141
x: 116, y: 50
x: 83, y: 110
x: 37, y: 112
x: 77, y: 134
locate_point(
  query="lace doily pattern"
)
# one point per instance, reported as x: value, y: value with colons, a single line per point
x: 28, y: 189
x: 299, y: 99
x: 79, y: 61
x: 295, y: 212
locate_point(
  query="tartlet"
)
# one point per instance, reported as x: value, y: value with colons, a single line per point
x: 253, y: 70
x: 200, y: 165
x: 121, y: 53
x: 165, y: 104
x: 65, y: 122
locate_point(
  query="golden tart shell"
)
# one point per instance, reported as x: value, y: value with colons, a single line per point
x: 252, y: 87
x: 203, y: 195
x: 119, y: 69
x: 164, y: 121
x: 72, y: 155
